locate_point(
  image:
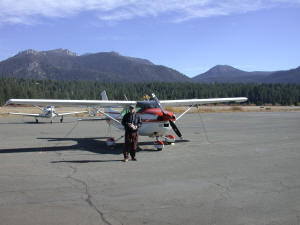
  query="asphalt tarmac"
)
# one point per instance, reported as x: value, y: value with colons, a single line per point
x: 233, y: 169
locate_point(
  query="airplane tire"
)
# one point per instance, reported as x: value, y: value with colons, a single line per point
x: 159, y: 145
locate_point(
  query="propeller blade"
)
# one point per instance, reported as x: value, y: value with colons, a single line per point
x: 158, y: 103
x: 175, y: 128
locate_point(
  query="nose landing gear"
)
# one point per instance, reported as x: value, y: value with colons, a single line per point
x: 159, y: 145
x: 160, y: 142
x: 169, y: 139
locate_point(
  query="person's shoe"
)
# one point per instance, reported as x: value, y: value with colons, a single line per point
x: 134, y: 159
x: 126, y: 160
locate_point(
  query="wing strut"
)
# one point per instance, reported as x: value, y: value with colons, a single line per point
x: 184, y: 112
x: 110, y: 117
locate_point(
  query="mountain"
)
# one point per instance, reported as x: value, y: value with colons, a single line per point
x: 287, y: 76
x: 229, y: 74
x: 62, y: 64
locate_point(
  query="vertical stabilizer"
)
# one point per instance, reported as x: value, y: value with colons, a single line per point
x: 104, y: 97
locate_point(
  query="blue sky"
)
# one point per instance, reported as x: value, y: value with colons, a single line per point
x: 190, y: 36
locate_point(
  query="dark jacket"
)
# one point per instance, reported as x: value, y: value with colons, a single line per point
x: 133, y: 119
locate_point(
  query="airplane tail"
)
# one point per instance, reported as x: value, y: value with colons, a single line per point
x: 108, y: 110
x: 104, y: 97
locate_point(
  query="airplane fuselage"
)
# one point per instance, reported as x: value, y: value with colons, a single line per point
x: 48, y: 112
x: 153, y: 122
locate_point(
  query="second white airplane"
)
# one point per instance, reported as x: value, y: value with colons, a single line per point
x: 47, y: 112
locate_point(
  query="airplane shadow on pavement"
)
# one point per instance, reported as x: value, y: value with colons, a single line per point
x: 95, y: 145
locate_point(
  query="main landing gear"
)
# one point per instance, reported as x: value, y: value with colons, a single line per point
x: 159, y: 144
x: 61, y: 119
x: 110, y: 142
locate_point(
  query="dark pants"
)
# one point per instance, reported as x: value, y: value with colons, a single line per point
x: 131, y: 142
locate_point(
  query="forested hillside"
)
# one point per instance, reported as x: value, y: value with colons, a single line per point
x: 284, y: 94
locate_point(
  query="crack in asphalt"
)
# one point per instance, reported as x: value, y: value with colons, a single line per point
x: 71, y: 176
x: 89, y: 196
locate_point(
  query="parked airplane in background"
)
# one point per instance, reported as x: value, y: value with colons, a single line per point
x: 47, y: 112
x: 156, y: 121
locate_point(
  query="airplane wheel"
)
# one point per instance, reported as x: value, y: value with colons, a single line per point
x: 170, y: 139
x: 61, y: 120
x: 37, y: 121
x: 110, y: 142
x: 159, y: 145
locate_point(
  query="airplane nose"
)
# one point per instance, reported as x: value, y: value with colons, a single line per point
x: 171, y: 116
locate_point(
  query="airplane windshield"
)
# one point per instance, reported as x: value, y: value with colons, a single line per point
x: 141, y: 105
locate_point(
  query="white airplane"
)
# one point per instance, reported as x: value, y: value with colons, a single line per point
x: 47, y: 112
x: 156, y: 121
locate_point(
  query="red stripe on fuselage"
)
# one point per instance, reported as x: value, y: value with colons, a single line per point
x: 153, y: 111
x: 160, y: 115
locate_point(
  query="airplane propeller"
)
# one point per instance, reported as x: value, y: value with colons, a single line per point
x: 173, y: 125
x: 175, y: 128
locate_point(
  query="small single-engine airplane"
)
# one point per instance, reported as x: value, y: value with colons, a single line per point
x: 47, y: 112
x: 156, y: 121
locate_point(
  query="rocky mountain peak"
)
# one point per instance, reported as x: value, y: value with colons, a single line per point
x: 61, y: 51
x: 222, y: 69
x: 58, y: 51
x: 28, y: 52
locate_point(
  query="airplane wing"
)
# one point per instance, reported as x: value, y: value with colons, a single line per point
x: 113, y: 103
x: 195, y: 102
x: 60, y: 102
x: 71, y: 113
x: 26, y: 114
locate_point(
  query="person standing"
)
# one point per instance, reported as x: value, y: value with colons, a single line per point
x: 131, y: 122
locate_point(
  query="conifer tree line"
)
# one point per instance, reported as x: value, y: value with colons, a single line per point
x: 259, y: 94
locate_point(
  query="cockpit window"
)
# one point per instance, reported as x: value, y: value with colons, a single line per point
x: 127, y: 110
x: 146, y: 105
x: 124, y: 111
x: 141, y: 105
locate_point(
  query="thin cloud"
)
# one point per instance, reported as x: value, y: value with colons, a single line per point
x: 34, y: 11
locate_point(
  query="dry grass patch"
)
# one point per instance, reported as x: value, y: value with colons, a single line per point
x: 237, y: 109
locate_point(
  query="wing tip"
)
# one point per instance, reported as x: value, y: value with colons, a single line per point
x: 9, y: 101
